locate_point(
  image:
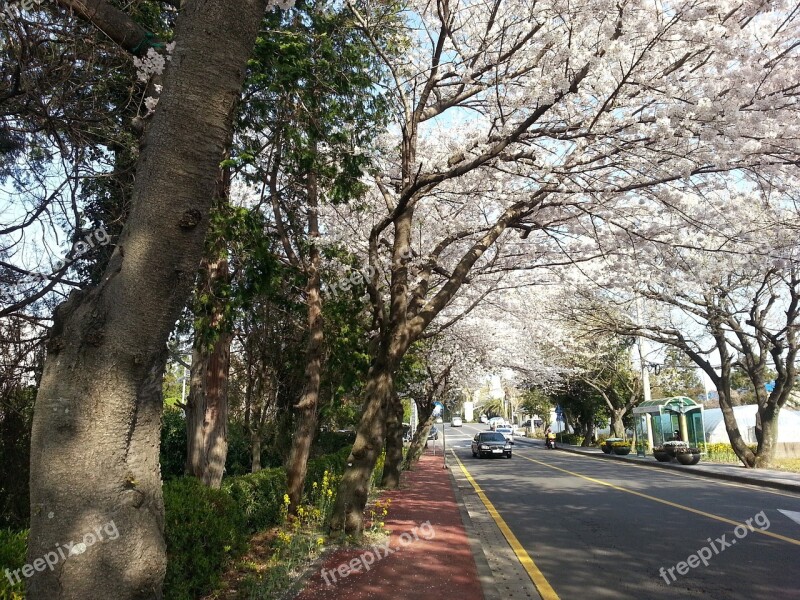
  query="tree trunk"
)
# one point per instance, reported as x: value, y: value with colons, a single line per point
x: 306, y: 408
x: 348, y: 511
x: 96, y: 429
x: 255, y: 452
x: 767, y: 418
x: 394, y: 445
x: 207, y: 411
x: 617, y: 426
x: 420, y: 438
x: 587, y: 430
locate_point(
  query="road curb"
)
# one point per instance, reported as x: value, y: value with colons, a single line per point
x: 485, y: 575
x: 778, y: 485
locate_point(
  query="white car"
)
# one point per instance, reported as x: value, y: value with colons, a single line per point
x: 456, y: 422
x: 496, y: 422
x: 507, y: 432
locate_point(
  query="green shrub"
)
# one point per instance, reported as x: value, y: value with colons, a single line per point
x: 239, y: 459
x: 173, y: 443
x: 572, y: 439
x: 204, y: 529
x: 259, y: 496
x: 13, y: 551
x: 333, y: 463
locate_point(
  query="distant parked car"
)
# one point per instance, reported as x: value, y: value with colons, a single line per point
x: 439, y: 420
x: 484, y: 419
x: 456, y: 422
x: 490, y: 443
x: 507, y: 432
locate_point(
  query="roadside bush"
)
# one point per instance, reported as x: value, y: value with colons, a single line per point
x: 333, y: 463
x: 572, y: 439
x: 13, y: 549
x: 204, y: 529
x: 259, y: 496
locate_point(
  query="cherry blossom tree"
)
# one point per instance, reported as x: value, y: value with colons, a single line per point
x: 725, y: 297
x: 549, y: 120
x: 95, y: 439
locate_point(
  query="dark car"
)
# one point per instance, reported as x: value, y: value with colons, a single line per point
x: 433, y: 434
x: 491, y: 443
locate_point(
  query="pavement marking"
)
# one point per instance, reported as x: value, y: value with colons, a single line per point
x: 689, y: 475
x: 793, y: 515
x: 542, y: 585
x: 696, y: 511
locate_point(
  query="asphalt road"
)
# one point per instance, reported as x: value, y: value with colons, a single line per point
x: 605, y: 529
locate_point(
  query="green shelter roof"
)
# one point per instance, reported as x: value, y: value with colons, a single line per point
x: 679, y: 403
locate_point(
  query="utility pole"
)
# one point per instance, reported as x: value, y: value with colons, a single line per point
x: 639, y: 344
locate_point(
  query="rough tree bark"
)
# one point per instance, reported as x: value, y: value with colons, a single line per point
x: 306, y: 408
x: 617, y: 426
x: 420, y: 438
x: 207, y: 411
x: 354, y: 488
x: 207, y: 405
x: 394, y: 445
x: 96, y: 429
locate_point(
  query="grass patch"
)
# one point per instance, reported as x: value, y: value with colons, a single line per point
x: 787, y: 464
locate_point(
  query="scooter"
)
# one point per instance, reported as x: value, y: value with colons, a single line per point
x: 550, y: 441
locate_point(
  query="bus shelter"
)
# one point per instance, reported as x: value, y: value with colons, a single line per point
x: 665, y: 419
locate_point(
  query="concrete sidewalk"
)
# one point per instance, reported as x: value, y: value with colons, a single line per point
x: 769, y: 478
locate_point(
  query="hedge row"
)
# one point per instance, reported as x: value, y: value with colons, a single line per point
x: 207, y: 528
x: 573, y: 439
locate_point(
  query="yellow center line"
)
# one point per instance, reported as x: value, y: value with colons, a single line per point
x: 542, y: 585
x: 777, y: 536
x: 674, y: 473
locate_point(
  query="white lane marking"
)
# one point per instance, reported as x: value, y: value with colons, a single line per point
x: 792, y: 514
